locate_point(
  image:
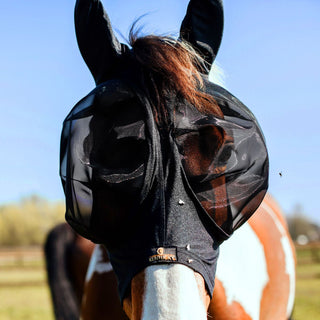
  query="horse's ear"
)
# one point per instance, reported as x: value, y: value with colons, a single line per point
x: 202, y: 27
x: 97, y: 42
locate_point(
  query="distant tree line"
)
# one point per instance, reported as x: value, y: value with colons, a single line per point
x: 28, y: 221
x: 301, y: 227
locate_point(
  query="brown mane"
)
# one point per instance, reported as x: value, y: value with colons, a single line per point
x: 171, y: 66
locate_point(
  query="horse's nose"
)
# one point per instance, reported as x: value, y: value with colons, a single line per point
x: 167, y: 292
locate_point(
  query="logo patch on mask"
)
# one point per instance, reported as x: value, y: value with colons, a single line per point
x: 163, y: 255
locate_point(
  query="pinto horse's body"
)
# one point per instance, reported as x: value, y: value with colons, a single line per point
x: 67, y: 257
x: 264, y: 255
x: 156, y: 157
x: 162, y: 171
x: 255, y: 278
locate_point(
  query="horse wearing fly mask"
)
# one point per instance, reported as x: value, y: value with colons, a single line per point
x: 152, y: 191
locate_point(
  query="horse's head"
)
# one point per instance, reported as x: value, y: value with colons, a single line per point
x: 160, y: 199
x: 165, y: 253
x: 182, y: 272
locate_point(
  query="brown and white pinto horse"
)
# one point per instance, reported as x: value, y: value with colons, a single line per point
x: 67, y: 257
x: 255, y: 280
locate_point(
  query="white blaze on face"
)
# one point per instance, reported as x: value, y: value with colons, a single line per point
x: 171, y: 293
x: 97, y: 263
x: 242, y: 269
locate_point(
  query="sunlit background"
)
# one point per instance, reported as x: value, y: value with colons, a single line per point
x: 270, y: 56
x: 269, y: 53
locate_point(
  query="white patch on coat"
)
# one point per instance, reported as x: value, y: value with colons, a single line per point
x: 242, y: 269
x: 97, y: 264
x: 289, y: 258
x: 171, y: 292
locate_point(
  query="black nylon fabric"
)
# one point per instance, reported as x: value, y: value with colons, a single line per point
x: 129, y: 186
x: 155, y: 194
x: 202, y: 27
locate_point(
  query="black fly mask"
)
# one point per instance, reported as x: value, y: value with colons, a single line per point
x: 153, y: 194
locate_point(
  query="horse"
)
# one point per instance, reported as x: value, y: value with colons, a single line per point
x: 255, y: 279
x: 67, y: 256
x: 161, y: 166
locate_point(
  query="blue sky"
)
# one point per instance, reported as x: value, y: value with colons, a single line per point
x: 270, y: 54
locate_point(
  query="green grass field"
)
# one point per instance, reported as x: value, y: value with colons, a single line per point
x: 24, y: 294
x: 307, y: 303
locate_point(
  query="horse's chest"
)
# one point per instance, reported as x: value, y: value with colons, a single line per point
x: 256, y: 270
